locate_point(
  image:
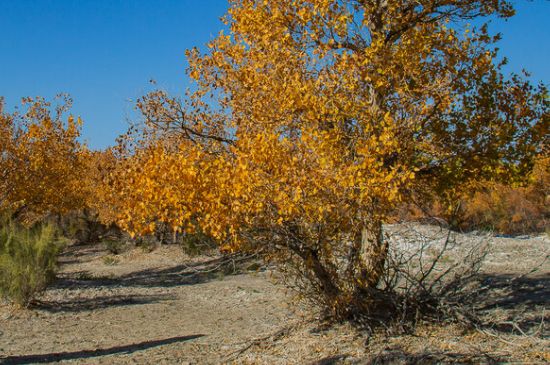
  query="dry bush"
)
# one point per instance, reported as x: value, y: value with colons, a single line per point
x: 506, y: 210
x: 428, y: 275
x: 198, y: 243
x: 84, y: 227
x: 192, y: 243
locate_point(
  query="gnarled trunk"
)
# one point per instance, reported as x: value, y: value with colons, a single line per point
x: 325, y: 280
x: 345, y: 291
x: 373, y: 254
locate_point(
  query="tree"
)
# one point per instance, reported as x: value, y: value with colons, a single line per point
x: 312, y: 120
x: 41, y: 160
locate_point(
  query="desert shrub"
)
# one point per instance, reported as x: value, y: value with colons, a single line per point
x: 506, y: 210
x: 147, y: 243
x: 114, y: 240
x: 197, y: 243
x: 114, y: 246
x: 430, y: 273
x: 521, y: 207
x: 28, y: 260
x: 494, y: 207
x: 85, y: 227
x: 110, y: 260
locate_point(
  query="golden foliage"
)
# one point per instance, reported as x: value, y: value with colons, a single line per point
x: 510, y: 209
x: 312, y: 120
x: 98, y: 167
x: 41, y: 168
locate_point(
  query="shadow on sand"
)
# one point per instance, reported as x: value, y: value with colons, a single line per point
x: 87, y: 354
x: 185, y: 274
x: 101, y: 302
x: 521, y: 302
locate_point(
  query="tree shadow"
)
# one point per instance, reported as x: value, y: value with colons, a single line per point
x: 89, y: 304
x: 86, y: 354
x: 330, y: 360
x: 82, y: 253
x: 185, y: 274
x: 520, y: 302
x: 399, y: 356
x: 507, y: 291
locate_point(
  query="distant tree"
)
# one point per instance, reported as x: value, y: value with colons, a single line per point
x: 41, y: 166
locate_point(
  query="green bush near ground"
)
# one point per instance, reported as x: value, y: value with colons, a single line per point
x: 198, y: 243
x: 28, y: 260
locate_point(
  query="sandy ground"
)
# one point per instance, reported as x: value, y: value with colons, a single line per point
x: 161, y: 307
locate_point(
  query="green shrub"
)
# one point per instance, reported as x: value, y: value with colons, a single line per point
x: 146, y: 243
x: 195, y: 244
x: 110, y: 260
x: 28, y: 260
x: 114, y: 246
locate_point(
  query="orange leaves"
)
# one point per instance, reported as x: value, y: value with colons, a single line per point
x: 324, y: 114
x: 42, y: 162
x: 264, y: 179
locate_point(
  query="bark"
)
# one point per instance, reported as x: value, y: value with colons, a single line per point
x: 373, y: 254
x: 323, y: 277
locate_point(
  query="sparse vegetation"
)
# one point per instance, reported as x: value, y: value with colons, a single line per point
x: 110, y: 260
x: 197, y: 243
x: 146, y: 243
x: 28, y: 260
x: 114, y: 246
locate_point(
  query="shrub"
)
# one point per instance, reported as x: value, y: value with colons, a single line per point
x: 110, y: 260
x: 431, y: 274
x: 147, y: 243
x: 28, y: 260
x: 85, y: 227
x: 198, y: 243
x: 504, y: 209
x: 113, y: 246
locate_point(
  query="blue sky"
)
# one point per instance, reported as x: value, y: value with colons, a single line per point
x: 104, y: 52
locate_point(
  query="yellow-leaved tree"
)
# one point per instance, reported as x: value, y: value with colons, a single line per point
x: 41, y: 160
x: 312, y: 120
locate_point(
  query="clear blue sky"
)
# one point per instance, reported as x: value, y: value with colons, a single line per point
x: 104, y: 52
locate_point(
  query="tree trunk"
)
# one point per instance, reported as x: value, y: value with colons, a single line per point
x: 374, y: 252
x: 325, y: 280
